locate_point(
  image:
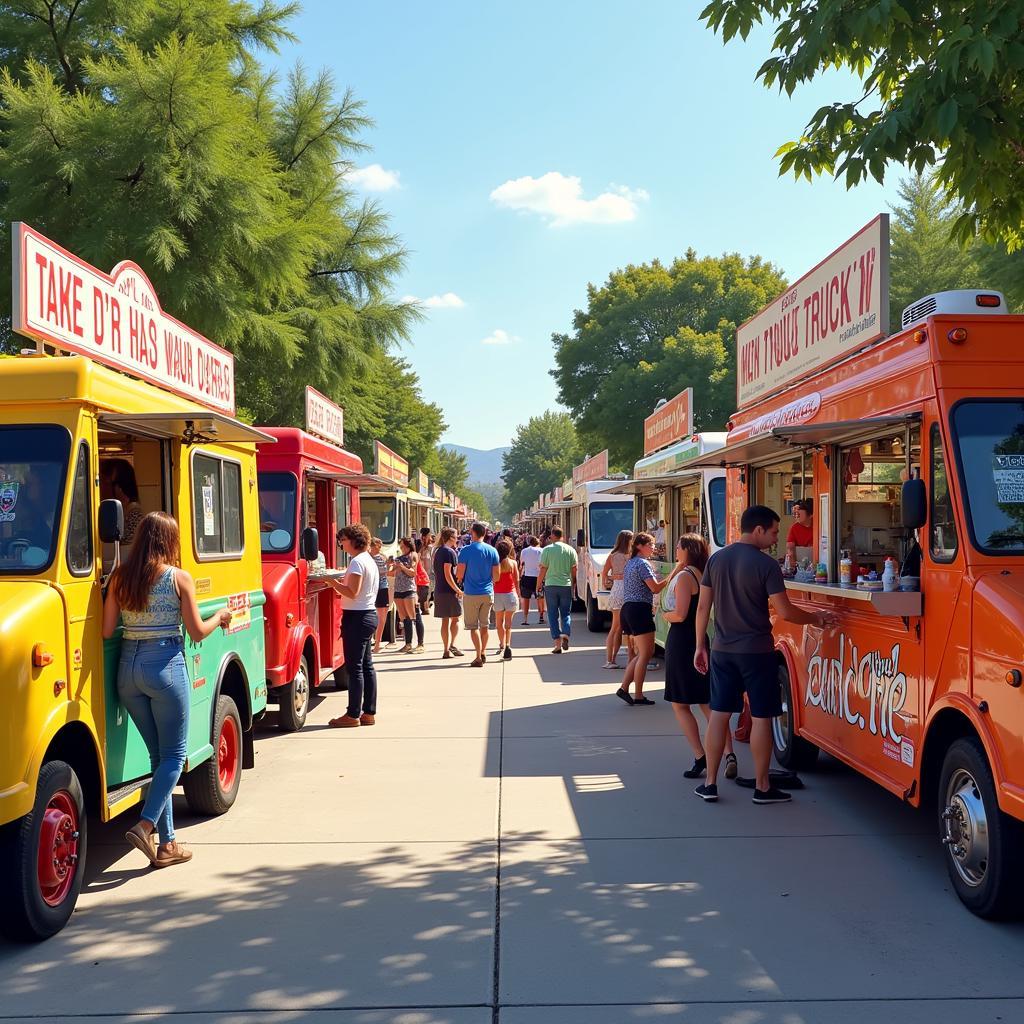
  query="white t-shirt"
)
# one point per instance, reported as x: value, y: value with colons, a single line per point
x: 531, y: 560
x: 362, y: 570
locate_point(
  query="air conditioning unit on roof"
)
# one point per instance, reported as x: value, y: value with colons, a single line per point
x: 959, y: 301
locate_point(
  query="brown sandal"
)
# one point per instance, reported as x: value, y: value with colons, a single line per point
x: 142, y: 841
x: 176, y: 855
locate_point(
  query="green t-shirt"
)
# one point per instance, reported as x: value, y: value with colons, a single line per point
x: 559, y: 559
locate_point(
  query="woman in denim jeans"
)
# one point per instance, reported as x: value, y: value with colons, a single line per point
x: 151, y: 597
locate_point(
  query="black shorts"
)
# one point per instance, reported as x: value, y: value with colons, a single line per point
x: 756, y: 675
x: 637, y: 618
x: 423, y: 592
x: 383, y: 598
x: 527, y: 587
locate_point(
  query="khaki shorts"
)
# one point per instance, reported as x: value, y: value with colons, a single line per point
x: 476, y: 609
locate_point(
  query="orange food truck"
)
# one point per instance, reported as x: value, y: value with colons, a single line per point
x: 308, y: 490
x: 911, y: 448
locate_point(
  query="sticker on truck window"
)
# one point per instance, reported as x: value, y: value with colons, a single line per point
x: 8, y: 500
x: 209, y: 526
x: 241, y: 613
x: 1008, y: 473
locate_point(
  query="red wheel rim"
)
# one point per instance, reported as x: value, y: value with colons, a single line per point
x: 227, y: 754
x: 58, y: 848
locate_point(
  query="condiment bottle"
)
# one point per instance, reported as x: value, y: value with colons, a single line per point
x: 891, y: 576
x: 846, y: 570
x: 821, y: 573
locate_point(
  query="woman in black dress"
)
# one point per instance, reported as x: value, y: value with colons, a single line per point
x: 684, y: 685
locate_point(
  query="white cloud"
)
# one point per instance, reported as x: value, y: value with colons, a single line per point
x: 449, y: 300
x: 499, y: 337
x: 559, y: 198
x: 373, y: 178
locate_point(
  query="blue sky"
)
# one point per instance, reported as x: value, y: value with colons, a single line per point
x: 486, y: 113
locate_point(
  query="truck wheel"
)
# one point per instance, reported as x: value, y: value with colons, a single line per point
x: 595, y: 617
x: 983, y: 845
x: 211, y: 787
x: 43, y: 857
x: 792, y: 752
x: 294, y: 703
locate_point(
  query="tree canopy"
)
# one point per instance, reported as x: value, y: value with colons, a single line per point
x: 940, y: 86
x: 542, y: 455
x: 649, y: 332
x: 147, y: 130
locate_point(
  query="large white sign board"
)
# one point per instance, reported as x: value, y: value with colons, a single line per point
x: 324, y: 418
x: 839, y: 307
x: 114, y: 319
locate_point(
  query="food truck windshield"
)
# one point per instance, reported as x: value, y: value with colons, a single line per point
x: 33, y: 466
x: 277, y: 511
x: 380, y: 517
x: 990, y: 440
x: 606, y: 520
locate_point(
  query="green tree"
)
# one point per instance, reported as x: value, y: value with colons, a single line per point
x: 496, y: 497
x: 450, y: 469
x: 147, y: 130
x: 940, y: 86
x: 649, y: 332
x: 542, y: 455
x: 476, y: 501
x: 924, y: 258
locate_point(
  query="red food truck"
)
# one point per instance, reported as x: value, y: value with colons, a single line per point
x: 308, y: 489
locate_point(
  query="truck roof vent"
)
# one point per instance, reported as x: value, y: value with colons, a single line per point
x: 961, y: 301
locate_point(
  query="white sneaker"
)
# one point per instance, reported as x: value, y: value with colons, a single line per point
x: 610, y: 664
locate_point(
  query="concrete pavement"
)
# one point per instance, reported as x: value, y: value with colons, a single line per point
x: 514, y: 844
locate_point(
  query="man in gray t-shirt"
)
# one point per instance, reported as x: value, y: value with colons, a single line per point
x: 738, y: 581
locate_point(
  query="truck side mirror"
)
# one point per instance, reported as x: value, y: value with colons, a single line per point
x: 581, y: 538
x: 914, y: 504
x: 111, y: 518
x: 309, y: 545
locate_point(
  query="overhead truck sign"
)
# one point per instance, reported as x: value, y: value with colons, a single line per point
x: 671, y: 423
x: 594, y: 468
x: 839, y: 307
x: 114, y: 319
x: 324, y: 418
x: 389, y: 465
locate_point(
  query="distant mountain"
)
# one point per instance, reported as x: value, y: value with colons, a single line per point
x: 484, y: 467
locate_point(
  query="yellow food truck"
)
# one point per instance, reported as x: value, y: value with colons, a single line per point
x: 129, y: 386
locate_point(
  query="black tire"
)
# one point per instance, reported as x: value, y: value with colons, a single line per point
x: 211, y: 787
x: 293, y: 705
x: 990, y: 886
x: 792, y: 752
x: 30, y: 907
x: 595, y: 617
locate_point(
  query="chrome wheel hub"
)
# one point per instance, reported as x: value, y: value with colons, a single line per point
x: 780, y: 725
x: 301, y: 690
x: 965, y: 828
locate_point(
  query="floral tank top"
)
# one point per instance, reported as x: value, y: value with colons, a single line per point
x: 162, y: 617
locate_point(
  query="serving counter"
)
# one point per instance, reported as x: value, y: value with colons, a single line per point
x: 897, y: 603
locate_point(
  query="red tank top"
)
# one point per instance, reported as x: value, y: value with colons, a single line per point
x: 506, y: 583
x: 422, y: 579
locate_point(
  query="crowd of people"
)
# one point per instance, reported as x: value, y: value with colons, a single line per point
x: 481, y: 580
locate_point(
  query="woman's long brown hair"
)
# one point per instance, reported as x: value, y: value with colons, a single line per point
x: 622, y: 542
x: 157, y: 544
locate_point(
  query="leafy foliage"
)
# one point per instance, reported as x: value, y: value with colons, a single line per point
x: 649, y: 332
x: 542, y: 455
x: 941, y: 87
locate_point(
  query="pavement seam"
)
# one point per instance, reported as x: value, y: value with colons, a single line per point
x: 496, y: 970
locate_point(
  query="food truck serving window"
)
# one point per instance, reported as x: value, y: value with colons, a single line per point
x: 779, y: 486
x: 277, y: 511
x: 379, y: 517
x: 33, y: 467
x: 216, y: 506
x: 990, y: 442
x: 871, y: 476
x: 606, y: 520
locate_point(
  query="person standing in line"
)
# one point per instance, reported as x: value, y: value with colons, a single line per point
x: 447, y: 593
x: 429, y: 542
x: 611, y: 579
x: 557, y: 577
x: 476, y: 572
x: 684, y: 685
x: 405, y: 595
x: 359, y: 588
x: 506, y: 597
x: 423, y: 555
x: 151, y: 596
x: 639, y: 585
x: 739, y: 582
x: 529, y: 562
x: 383, y: 600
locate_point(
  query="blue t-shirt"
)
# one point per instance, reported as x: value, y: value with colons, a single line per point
x: 478, y: 558
x: 634, y: 576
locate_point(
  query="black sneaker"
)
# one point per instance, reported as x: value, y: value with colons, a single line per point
x: 700, y: 765
x: 708, y: 793
x: 507, y: 656
x: 772, y: 795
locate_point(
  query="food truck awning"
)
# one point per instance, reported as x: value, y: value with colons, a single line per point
x: 779, y: 442
x: 555, y: 506
x: 369, y: 482
x: 201, y: 425
x: 421, y: 499
x: 644, y: 484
